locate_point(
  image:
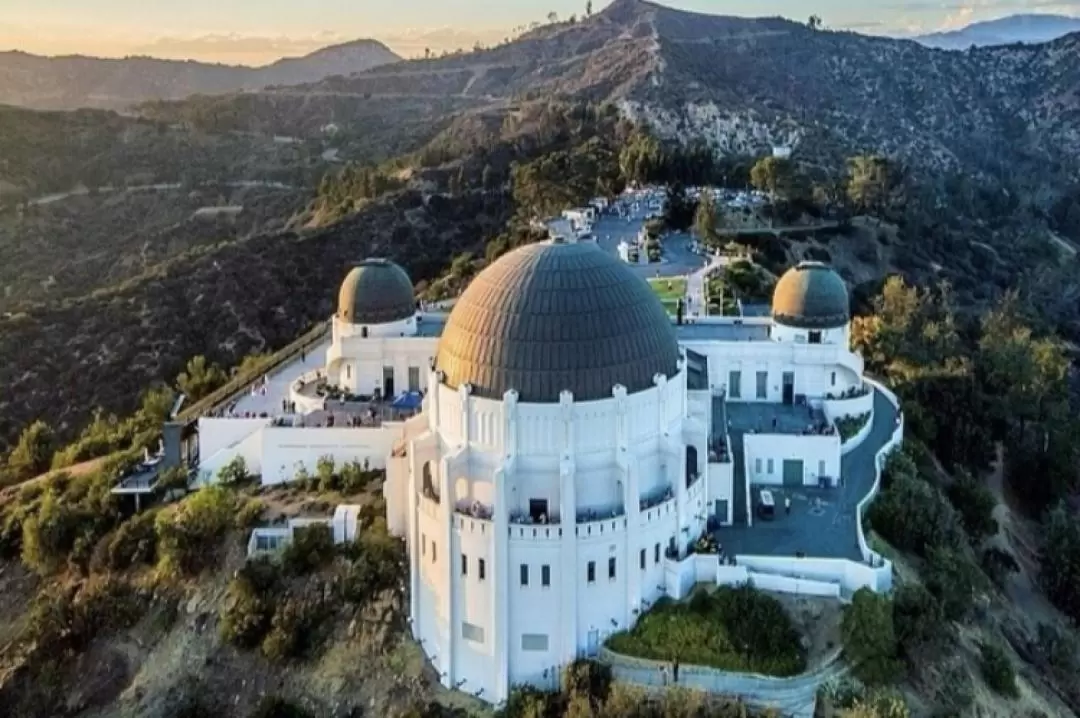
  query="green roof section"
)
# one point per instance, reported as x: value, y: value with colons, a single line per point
x: 376, y: 291
x: 811, y: 296
x: 551, y: 317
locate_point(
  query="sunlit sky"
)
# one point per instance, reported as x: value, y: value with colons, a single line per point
x: 258, y: 31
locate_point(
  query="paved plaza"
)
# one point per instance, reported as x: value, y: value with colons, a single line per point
x: 822, y: 521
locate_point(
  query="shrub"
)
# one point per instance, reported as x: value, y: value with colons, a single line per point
x: 997, y: 670
x: 870, y: 637
x: 324, y: 471
x: 274, y: 707
x: 1059, y: 575
x: 311, y: 547
x: 135, y: 542
x: 49, y: 534
x: 953, y: 579
x: 975, y: 503
x: 998, y: 564
x: 1058, y: 648
x: 294, y: 627
x: 737, y: 629
x: 912, y: 515
x: 189, y: 533
x: 249, y: 604
x: 377, y: 563
x: 250, y: 514
x: 354, y: 478
x: 917, y: 618
x: 234, y: 473
x: 68, y: 619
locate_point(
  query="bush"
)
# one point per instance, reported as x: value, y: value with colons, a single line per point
x: 49, y: 534
x: 190, y: 533
x: 870, y: 638
x: 234, y: 473
x: 997, y: 670
x: 998, y: 564
x: 135, y: 542
x: 917, y: 618
x: 274, y: 707
x: 250, y: 514
x: 734, y: 629
x: 294, y: 627
x: 1059, y: 575
x: 953, y: 579
x: 914, y: 516
x: 68, y: 619
x: 249, y: 604
x: 377, y: 563
x: 311, y: 547
x: 975, y: 503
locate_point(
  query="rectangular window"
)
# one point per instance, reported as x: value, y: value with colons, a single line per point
x: 821, y: 467
x: 770, y: 465
x: 423, y: 544
x: 434, y: 557
x: 834, y: 378
x: 480, y: 569
x: 757, y: 466
x: 762, y: 384
x: 464, y: 565
x: 472, y: 632
x: 590, y: 572
x: 534, y: 642
x: 735, y: 384
x: 611, y: 567
x: 545, y: 575
x: 656, y: 553
x: 524, y: 574
x: 414, y: 378
x: 348, y: 371
x: 642, y: 559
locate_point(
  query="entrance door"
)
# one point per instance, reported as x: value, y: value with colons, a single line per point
x: 722, y: 511
x: 789, y: 387
x: 594, y: 642
x: 414, y: 378
x: 388, y: 382
x: 793, y: 472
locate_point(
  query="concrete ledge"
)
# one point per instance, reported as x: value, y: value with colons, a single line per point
x: 854, y: 442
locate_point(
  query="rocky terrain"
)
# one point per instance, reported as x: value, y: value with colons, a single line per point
x: 72, y: 82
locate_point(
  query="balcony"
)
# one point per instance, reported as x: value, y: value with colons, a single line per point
x: 588, y: 516
x: 523, y: 518
x: 475, y: 509
x: 655, y: 498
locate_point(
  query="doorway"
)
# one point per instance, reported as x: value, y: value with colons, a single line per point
x: 388, y: 383
x: 594, y: 642
x: 789, y: 387
x: 538, y: 510
x: 793, y: 472
x: 722, y: 512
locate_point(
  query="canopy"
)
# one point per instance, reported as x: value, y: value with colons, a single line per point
x: 408, y: 400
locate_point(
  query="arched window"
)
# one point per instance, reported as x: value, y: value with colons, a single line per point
x: 691, y: 465
x: 429, y: 489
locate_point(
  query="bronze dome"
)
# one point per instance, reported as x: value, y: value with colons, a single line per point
x: 376, y: 291
x: 811, y: 296
x: 549, y: 317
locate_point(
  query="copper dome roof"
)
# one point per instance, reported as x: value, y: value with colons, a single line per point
x: 811, y: 296
x: 376, y: 291
x: 550, y: 317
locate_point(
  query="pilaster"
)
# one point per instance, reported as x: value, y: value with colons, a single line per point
x: 631, y: 503
x: 415, y: 566
x: 446, y: 563
x: 501, y: 599
x: 568, y: 573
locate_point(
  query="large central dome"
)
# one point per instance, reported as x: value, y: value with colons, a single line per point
x: 550, y: 317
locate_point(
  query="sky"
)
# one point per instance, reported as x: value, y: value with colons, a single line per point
x: 259, y: 31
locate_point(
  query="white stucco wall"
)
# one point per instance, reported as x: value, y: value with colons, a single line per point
x: 816, y: 452
x: 357, y: 364
x: 285, y: 449
x: 721, y: 488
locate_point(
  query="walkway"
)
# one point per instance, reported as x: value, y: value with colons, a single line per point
x: 695, y: 287
x: 825, y: 529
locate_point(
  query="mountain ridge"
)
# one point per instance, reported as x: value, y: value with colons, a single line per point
x: 1027, y: 28
x: 68, y: 82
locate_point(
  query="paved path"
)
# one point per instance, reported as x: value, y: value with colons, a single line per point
x: 826, y: 531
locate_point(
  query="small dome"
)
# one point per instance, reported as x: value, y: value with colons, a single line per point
x: 376, y: 291
x: 811, y: 296
x: 552, y: 316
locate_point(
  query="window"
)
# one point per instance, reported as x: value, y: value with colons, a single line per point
x: 423, y: 544
x: 815, y: 337
x: 834, y: 378
x: 656, y: 553
x: 545, y: 575
x: 821, y: 467
x: 642, y: 559
x: 762, y: 384
x: 480, y: 569
x: 757, y: 466
x: 414, y: 378
x: 611, y: 568
x: 434, y: 557
x: 735, y: 384
x: 590, y: 572
x: 534, y: 642
x: 472, y: 632
x: 348, y: 371
x: 524, y: 574
x: 464, y: 565
x: 770, y: 466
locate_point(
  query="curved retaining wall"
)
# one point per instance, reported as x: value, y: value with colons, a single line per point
x: 791, y: 696
x: 860, y: 437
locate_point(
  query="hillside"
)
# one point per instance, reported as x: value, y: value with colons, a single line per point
x: 1027, y: 28
x: 71, y: 82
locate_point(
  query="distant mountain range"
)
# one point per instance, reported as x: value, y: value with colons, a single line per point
x: 1030, y: 28
x: 70, y: 82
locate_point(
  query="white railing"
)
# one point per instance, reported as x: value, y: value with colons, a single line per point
x: 897, y: 438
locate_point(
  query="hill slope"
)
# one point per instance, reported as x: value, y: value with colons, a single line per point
x: 1027, y: 28
x: 58, y: 83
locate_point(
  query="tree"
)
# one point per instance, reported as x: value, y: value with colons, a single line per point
x: 705, y: 220
x: 588, y: 8
x: 553, y: 17
x: 1059, y: 575
x: 32, y: 455
x: 199, y: 378
x: 869, y: 637
x: 814, y: 23
x: 868, y: 183
x: 774, y: 175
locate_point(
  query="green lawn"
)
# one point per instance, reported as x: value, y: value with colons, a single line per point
x: 670, y: 290
x: 733, y: 629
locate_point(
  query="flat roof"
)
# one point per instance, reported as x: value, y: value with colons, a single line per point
x: 773, y: 418
x: 722, y: 332
x: 431, y: 324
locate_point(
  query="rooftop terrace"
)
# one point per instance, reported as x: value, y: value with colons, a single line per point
x: 722, y: 332
x: 774, y: 418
